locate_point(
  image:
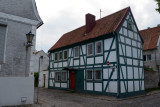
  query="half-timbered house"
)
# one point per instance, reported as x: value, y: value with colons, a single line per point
x: 104, y: 56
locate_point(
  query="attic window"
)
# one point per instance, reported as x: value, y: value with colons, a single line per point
x: 56, y: 56
x: 130, y: 25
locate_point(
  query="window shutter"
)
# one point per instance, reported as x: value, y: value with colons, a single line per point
x: 2, y: 42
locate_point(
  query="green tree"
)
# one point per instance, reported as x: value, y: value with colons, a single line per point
x: 158, y: 3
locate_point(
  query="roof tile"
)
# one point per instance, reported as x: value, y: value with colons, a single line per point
x: 150, y: 37
x: 103, y: 26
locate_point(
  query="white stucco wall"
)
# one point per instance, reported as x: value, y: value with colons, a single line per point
x: 16, y: 90
x: 41, y: 79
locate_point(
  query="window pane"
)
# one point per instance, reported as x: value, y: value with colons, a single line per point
x: 89, y: 74
x: 56, y: 56
x: 64, y: 76
x: 90, y: 49
x: 98, y: 47
x: 57, y: 76
x: 148, y: 57
x: 65, y: 55
x: 144, y: 57
x: 60, y: 55
x: 76, y: 52
x: 98, y: 74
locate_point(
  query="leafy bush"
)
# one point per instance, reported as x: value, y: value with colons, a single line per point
x: 36, y: 74
x: 148, y: 69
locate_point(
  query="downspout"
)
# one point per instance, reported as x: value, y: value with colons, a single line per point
x: 157, y: 64
x: 118, y: 68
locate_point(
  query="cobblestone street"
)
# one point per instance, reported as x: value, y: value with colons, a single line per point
x: 61, y: 98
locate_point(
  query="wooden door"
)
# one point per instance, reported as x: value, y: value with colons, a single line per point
x: 72, y: 80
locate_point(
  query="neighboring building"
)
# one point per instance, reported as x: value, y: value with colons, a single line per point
x: 43, y: 79
x: 44, y: 63
x: 103, y: 56
x: 17, y: 18
x: 151, y: 47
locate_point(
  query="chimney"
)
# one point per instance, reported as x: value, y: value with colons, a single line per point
x: 90, y: 22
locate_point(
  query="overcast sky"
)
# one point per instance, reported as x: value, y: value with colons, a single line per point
x: 62, y: 16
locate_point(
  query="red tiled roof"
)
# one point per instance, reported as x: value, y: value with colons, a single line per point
x: 150, y: 37
x: 103, y: 26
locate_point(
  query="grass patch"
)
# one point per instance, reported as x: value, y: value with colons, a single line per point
x: 152, y: 89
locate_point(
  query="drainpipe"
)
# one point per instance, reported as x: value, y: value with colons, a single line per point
x: 157, y: 67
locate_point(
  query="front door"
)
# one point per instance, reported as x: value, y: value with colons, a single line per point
x: 72, y: 80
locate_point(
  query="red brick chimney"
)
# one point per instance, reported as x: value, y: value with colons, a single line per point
x: 90, y: 22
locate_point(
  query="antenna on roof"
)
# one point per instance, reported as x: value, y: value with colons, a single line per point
x: 100, y: 12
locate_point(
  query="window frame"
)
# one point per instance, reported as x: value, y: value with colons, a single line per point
x: 87, y: 75
x: 147, y: 57
x: 130, y: 25
x: 62, y: 76
x: 96, y: 47
x: 100, y: 75
x: 59, y: 78
x: 75, y: 52
x: 88, y: 49
x: 60, y: 53
x: 55, y: 56
x: 64, y: 55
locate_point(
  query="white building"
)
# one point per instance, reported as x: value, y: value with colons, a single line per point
x: 17, y: 18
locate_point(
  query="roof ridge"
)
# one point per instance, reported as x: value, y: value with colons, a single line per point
x: 149, y: 28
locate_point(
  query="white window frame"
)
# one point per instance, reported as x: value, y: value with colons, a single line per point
x: 76, y: 56
x: 59, y: 56
x: 59, y: 78
x: 65, y: 76
x: 63, y: 54
x: 147, y: 59
x: 88, y: 49
x: 87, y: 74
x: 100, y: 74
x: 55, y: 56
x: 96, y: 47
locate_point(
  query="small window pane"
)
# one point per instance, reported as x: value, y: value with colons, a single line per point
x: 148, y: 57
x: 130, y: 25
x: 56, y: 56
x: 90, y: 49
x: 65, y: 54
x: 76, y: 51
x: 57, y: 76
x: 98, y: 47
x: 89, y: 74
x: 98, y: 74
x: 60, y: 55
x: 64, y: 76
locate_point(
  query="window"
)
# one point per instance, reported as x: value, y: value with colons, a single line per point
x: 65, y: 54
x: 90, y: 49
x: 149, y: 58
x: 56, y: 56
x: 144, y: 57
x: 97, y: 75
x: 57, y: 76
x: 76, y: 51
x: 130, y: 27
x: 99, y: 47
x: 2, y: 42
x: 89, y: 75
x: 60, y: 55
x: 64, y: 76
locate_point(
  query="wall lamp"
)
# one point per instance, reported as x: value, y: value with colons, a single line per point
x: 29, y: 37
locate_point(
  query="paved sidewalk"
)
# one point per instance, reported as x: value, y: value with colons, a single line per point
x: 61, y: 98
